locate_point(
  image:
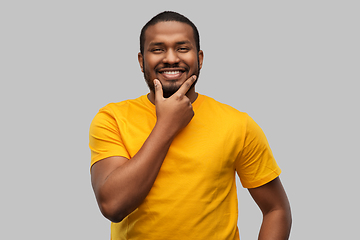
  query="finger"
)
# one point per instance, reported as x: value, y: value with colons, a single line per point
x: 186, y: 85
x: 158, y: 90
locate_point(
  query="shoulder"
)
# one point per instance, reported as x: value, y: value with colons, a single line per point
x: 121, y: 108
x: 221, y: 109
x: 114, y: 112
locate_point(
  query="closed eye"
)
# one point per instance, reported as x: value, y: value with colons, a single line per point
x: 183, y: 49
x: 156, y: 50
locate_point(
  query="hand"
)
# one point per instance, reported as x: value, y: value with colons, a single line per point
x: 174, y: 113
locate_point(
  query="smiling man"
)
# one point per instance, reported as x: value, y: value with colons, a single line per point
x: 163, y: 165
x: 171, y: 55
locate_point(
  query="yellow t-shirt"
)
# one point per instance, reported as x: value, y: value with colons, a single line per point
x: 194, y: 195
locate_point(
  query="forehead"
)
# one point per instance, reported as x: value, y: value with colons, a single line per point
x: 169, y: 32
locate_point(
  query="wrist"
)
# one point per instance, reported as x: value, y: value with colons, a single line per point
x: 164, y: 132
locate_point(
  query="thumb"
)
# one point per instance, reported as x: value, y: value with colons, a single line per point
x: 158, y: 90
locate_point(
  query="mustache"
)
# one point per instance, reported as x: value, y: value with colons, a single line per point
x: 167, y: 65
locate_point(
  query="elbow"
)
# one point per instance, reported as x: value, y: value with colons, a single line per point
x: 115, y: 208
x: 113, y: 218
x: 110, y: 207
x: 111, y: 212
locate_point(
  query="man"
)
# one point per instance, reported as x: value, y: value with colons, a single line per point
x: 163, y: 165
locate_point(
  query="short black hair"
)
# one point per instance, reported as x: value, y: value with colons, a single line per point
x: 168, y: 16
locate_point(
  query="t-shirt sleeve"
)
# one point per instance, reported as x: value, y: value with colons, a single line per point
x: 105, y: 138
x: 255, y: 164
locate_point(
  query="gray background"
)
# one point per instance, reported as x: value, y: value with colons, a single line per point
x: 292, y: 65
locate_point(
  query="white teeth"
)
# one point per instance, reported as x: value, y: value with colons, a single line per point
x: 171, y: 72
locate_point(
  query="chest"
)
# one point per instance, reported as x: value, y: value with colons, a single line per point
x: 209, y: 146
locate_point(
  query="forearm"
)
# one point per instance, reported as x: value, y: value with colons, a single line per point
x: 276, y: 225
x: 127, y: 186
x: 121, y: 185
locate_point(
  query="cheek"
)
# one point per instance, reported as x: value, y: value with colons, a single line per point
x: 191, y: 61
x: 147, y: 67
x: 152, y: 61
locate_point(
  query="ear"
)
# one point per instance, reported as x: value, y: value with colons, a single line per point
x: 140, y: 59
x: 201, y: 58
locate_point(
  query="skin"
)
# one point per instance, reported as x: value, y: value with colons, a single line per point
x: 121, y: 185
x: 274, y: 205
x: 170, y: 46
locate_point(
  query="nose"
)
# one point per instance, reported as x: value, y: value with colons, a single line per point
x: 171, y: 57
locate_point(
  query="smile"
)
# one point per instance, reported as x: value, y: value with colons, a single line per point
x: 171, y: 72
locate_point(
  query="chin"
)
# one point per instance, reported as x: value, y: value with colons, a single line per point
x: 169, y: 86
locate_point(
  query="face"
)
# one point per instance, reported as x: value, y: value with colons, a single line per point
x: 170, y: 55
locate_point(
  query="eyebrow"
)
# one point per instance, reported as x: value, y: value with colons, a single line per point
x: 156, y: 43
x: 183, y: 42
x: 162, y: 43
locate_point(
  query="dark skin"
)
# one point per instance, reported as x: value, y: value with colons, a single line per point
x: 274, y: 205
x: 121, y: 185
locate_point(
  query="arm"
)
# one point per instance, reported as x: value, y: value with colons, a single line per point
x: 120, y: 185
x: 273, y: 202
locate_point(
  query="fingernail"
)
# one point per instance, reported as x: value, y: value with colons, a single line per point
x: 194, y: 77
x: 155, y: 83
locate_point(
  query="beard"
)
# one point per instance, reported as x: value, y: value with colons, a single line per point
x: 170, y: 89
